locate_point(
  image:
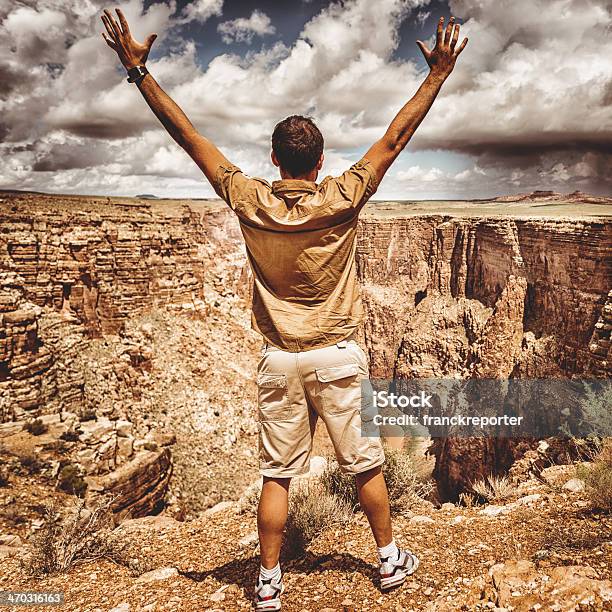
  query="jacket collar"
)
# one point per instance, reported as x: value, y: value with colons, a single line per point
x: 293, y: 186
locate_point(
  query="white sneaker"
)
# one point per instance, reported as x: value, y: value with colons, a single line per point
x: 393, y: 572
x: 267, y: 594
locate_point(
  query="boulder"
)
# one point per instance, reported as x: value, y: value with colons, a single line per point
x: 162, y: 573
x: 138, y: 487
x: 575, y: 485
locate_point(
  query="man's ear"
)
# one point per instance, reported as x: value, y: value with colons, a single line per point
x: 320, y: 163
x: 274, y: 159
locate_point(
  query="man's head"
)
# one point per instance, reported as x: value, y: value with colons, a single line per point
x: 297, y: 148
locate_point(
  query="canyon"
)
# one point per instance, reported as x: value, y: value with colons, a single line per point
x: 126, y: 322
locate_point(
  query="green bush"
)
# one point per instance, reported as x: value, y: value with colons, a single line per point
x: 596, y: 411
x: 36, y: 427
x: 71, y: 480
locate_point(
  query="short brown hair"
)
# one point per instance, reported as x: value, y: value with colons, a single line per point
x: 297, y: 144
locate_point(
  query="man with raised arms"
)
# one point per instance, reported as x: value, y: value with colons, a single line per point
x: 300, y: 240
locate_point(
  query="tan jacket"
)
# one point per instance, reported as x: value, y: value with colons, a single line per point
x: 300, y: 241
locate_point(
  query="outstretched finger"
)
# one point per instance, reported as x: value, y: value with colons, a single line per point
x: 123, y: 21
x: 461, y: 47
x: 109, y: 28
x: 109, y: 42
x: 440, y: 31
x: 455, y: 37
x: 449, y: 29
x: 423, y: 47
x: 114, y: 25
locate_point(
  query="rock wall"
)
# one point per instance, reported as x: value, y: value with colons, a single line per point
x: 488, y: 298
x: 119, y: 316
x: 97, y: 263
x: 444, y: 296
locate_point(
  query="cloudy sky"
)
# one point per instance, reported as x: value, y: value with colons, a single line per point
x: 529, y: 105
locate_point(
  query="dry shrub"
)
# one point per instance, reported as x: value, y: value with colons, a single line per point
x: 36, y: 427
x: 405, y: 487
x: 494, y: 488
x: 14, y: 515
x: 312, y: 510
x: 64, y: 540
x: 70, y: 479
x: 32, y: 464
x: 468, y: 500
x: 598, y: 478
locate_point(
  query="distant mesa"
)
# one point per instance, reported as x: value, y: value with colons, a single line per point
x: 147, y: 196
x: 553, y: 196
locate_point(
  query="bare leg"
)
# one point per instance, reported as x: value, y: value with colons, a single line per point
x: 374, y: 500
x: 271, y: 518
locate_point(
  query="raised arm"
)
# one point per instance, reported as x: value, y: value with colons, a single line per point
x: 133, y: 54
x: 441, y: 60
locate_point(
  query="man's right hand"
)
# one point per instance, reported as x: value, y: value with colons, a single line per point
x: 441, y: 59
x: 119, y: 39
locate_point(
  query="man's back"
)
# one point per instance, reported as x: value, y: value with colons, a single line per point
x: 300, y: 240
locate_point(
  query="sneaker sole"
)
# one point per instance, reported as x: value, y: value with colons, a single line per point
x: 273, y: 605
x: 390, y: 583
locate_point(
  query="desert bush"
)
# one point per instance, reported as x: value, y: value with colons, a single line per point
x: 70, y: 435
x: 494, y: 488
x: 467, y: 500
x: 71, y: 480
x: 36, y: 427
x: 312, y: 510
x: 32, y: 464
x: 595, y: 408
x: 84, y: 534
x: 598, y: 478
x: 87, y: 415
x: 403, y: 484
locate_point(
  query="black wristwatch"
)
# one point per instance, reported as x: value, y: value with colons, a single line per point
x: 136, y: 74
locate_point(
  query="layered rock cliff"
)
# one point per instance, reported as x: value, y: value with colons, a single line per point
x: 137, y: 311
x: 487, y: 298
x: 126, y: 319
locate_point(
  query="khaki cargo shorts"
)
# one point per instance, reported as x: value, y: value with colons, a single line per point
x: 294, y: 390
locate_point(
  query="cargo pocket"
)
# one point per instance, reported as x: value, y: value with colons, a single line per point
x: 339, y: 388
x: 273, y: 397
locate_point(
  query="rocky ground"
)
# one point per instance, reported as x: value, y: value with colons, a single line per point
x: 542, y: 548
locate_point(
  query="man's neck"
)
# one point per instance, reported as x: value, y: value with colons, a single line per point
x: 311, y: 176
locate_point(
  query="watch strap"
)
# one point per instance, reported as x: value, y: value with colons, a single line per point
x: 136, y: 74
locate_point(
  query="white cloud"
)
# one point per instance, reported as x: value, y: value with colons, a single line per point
x: 201, y: 10
x: 530, y: 98
x: 245, y: 29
